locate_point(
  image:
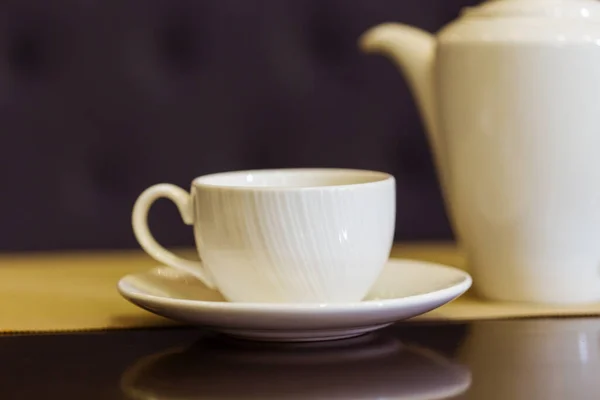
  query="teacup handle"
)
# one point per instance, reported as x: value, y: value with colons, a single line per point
x: 139, y: 219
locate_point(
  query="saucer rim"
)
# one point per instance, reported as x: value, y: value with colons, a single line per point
x: 455, y: 290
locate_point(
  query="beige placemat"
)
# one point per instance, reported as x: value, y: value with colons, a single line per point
x: 77, y: 291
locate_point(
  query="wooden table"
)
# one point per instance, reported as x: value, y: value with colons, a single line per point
x: 493, y: 360
x: 440, y: 355
x: 77, y: 291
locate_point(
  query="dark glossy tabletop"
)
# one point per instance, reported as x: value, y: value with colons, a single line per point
x: 525, y: 359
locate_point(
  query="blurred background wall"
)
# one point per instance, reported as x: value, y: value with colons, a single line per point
x: 101, y: 98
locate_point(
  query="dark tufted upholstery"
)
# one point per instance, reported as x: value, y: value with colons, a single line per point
x: 101, y: 98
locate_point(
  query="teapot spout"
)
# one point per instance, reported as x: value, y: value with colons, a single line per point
x: 413, y: 51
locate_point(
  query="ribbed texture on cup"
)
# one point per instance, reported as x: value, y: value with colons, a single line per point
x: 317, y: 245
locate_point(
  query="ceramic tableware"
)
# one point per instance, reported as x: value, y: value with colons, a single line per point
x: 282, y: 236
x: 510, y: 94
x: 404, y: 289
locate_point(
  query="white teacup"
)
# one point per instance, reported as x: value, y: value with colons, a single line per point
x: 282, y: 236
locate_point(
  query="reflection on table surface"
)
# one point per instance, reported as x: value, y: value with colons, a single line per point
x: 375, y: 366
x: 523, y: 359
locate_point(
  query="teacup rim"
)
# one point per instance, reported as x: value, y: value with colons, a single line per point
x: 382, y: 178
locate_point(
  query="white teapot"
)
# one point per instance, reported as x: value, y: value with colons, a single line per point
x: 510, y: 96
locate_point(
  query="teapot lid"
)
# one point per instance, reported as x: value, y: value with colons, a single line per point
x: 527, y: 21
x: 536, y: 8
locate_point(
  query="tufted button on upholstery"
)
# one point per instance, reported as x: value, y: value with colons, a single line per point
x: 414, y: 160
x: 333, y: 46
x: 326, y: 38
x: 36, y: 46
x: 28, y: 52
x: 109, y: 174
x: 177, y: 45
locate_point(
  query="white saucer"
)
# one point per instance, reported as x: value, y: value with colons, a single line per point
x: 405, y: 289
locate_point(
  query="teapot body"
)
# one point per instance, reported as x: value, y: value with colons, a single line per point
x: 510, y: 93
x: 518, y: 110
